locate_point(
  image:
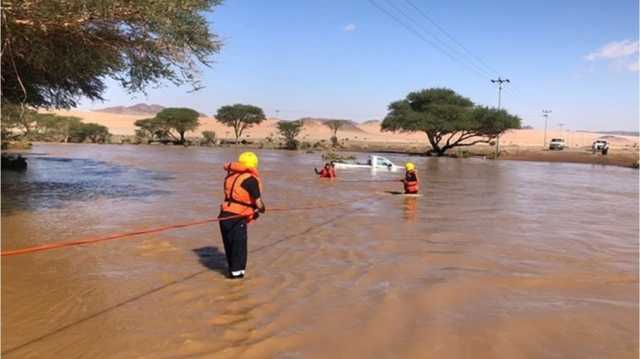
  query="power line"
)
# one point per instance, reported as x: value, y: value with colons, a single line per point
x: 448, y: 47
x: 453, y: 39
x: 427, y: 40
x: 499, y: 81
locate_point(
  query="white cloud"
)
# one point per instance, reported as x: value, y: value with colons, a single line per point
x: 350, y: 27
x: 614, y: 50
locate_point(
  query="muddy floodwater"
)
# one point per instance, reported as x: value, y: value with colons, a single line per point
x: 497, y: 259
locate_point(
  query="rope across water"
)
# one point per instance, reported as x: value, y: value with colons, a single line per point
x: 50, y: 246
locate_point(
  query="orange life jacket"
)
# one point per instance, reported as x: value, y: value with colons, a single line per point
x: 236, y: 199
x: 327, y: 173
x: 411, y: 186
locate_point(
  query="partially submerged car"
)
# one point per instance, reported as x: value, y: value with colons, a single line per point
x: 600, y: 146
x: 557, y: 144
x: 374, y: 163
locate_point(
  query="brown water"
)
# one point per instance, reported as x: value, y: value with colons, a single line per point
x: 496, y: 259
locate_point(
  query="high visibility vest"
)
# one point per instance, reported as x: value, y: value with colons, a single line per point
x: 411, y: 186
x: 236, y: 199
x: 327, y: 173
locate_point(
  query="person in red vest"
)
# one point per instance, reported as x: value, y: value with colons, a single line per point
x: 328, y: 171
x: 242, y: 204
x: 410, y: 179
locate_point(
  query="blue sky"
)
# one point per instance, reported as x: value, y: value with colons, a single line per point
x: 348, y: 59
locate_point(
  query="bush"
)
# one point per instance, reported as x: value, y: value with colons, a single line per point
x: 208, y: 138
x: 335, y: 156
x: 305, y: 145
x: 289, y: 131
x: 334, y: 141
x: 91, y: 132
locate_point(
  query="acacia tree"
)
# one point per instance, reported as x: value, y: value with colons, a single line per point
x: 15, y: 117
x: 56, y: 51
x: 170, y: 119
x: 180, y: 120
x: 290, y: 130
x: 93, y: 132
x: 240, y: 117
x: 150, y: 129
x: 448, y: 119
x: 335, y: 125
x: 51, y: 127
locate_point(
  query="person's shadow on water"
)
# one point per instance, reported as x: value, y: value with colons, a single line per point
x: 211, y: 258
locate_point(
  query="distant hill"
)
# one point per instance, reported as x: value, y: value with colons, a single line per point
x: 349, y: 125
x: 372, y: 122
x: 137, y: 109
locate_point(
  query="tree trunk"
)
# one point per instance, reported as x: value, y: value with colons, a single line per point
x: 237, y: 132
x: 435, y: 147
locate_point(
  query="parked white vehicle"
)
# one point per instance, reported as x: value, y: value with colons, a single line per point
x: 600, y: 146
x: 557, y: 144
x: 374, y: 163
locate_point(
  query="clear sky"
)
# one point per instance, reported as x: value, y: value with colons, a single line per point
x: 350, y: 59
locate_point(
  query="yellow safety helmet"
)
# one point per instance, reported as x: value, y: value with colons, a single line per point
x: 248, y: 159
x: 409, y: 166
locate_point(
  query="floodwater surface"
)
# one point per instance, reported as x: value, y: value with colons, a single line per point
x: 496, y: 259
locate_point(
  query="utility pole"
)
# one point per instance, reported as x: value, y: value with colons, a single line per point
x: 545, y: 113
x: 499, y: 81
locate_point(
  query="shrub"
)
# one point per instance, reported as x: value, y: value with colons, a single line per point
x: 208, y: 138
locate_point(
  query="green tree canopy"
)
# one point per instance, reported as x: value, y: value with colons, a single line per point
x: 208, y: 138
x: 448, y: 119
x: 180, y: 120
x: 56, y: 51
x: 20, y: 118
x: 290, y: 130
x: 92, y: 132
x: 53, y: 128
x: 240, y: 117
x: 162, y: 126
x: 152, y: 130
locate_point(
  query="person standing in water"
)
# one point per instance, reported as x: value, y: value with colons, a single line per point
x: 328, y: 171
x: 410, y: 179
x: 242, y: 204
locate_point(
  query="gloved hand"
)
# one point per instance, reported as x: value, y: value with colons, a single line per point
x: 256, y: 214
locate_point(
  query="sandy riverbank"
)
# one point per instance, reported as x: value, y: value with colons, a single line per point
x: 525, y: 144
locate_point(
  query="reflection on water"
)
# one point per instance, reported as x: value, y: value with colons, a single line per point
x: 495, y: 259
x: 410, y: 208
x: 51, y: 181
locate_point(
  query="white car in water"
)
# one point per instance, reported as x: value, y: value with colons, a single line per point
x: 374, y: 163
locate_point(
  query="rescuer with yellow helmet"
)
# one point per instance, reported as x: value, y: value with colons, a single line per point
x: 242, y: 204
x: 410, y: 179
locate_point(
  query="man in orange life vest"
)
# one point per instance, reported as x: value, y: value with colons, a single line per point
x: 328, y: 171
x: 410, y: 179
x: 242, y: 204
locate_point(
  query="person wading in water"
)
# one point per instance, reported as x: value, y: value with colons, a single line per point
x: 410, y: 179
x: 328, y: 171
x: 242, y: 197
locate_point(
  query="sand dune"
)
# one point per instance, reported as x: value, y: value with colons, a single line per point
x: 315, y: 130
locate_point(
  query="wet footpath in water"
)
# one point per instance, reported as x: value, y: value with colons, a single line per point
x: 499, y: 259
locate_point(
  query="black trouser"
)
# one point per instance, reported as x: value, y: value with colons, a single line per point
x: 234, y: 237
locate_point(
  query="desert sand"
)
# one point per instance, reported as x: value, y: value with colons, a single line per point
x: 121, y: 124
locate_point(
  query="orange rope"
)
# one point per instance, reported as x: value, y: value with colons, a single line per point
x: 44, y: 247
